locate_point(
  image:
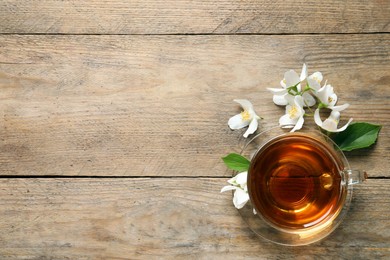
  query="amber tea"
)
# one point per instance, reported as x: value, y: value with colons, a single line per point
x: 294, y: 182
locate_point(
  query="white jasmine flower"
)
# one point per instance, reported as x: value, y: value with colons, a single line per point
x: 330, y: 124
x: 326, y: 95
x: 328, y: 98
x: 314, y: 82
x: 239, y: 180
x: 291, y: 86
x: 290, y: 79
x: 239, y: 185
x: 294, y: 114
x: 245, y: 118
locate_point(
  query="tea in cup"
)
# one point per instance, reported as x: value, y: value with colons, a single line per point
x: 299, y: 185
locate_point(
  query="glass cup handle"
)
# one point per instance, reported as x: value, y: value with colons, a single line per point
x: 352, y: 177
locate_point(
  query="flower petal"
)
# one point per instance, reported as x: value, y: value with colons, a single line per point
x: 237, y: 122
x: 345, y: 126
x: 309, y: 100
x: 332, y: 99
x: 290, y: 99
x: 286, y: 121
x: 317, y: 76
x: 320, y: 94
x: 299, y: 89
x: 283, y: 83
x: 303, y: 72
x: 232, y: 180
x: 314, y: 80
x: 317, y: 118
x: 298, y: 101
x: 252, y: 127
x: 227, y: 188
x: 240, y: 198
x: 278, y: 91
x: 246, y: 104
x: 339, y: 108
x: 335, y: 116
x: 280, y: 100
x: 324, y: 93
x: 299, y: 124
x: 313, y: 84
x: 330, y: 124
x: 292, y: 78
x: 242, y: 178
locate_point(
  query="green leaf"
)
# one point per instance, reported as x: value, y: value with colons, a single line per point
x: 236, y: 162
x: 357, y: 135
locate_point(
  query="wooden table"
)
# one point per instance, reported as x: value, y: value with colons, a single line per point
x: 113, y: 122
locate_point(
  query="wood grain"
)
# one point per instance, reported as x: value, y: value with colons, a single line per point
x: 165, y: 218
x: 159, y: 105
x: 113, y: 122
x: 199, y: 17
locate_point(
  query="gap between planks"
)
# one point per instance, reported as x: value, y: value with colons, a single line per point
x: 193, y: 34
x: 131, y: 177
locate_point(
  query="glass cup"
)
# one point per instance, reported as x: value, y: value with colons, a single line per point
x: 299, y: 184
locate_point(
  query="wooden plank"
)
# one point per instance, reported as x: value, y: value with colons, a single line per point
x: 159, y: 105
x: 199, y: 17
x: 165, y: 218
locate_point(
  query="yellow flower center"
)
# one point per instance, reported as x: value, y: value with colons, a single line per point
x: 245, y: 115
x: 293, y: 111
x: 316, y: 79
x: 330, y: 99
